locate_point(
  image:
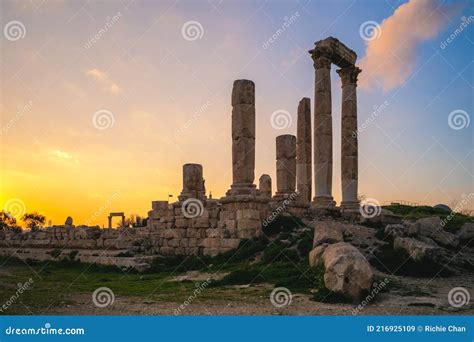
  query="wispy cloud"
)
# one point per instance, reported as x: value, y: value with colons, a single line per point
x: 104, y: 80
x: 391, y: 58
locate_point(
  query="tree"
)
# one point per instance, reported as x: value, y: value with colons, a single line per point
x: 7, y: 222
x: 34, y: 221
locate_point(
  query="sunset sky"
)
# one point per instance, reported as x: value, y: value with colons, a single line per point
x: 166, y: 96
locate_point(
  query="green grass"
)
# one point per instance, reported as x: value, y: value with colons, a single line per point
x: 58, y: 284
x: 414, y: 213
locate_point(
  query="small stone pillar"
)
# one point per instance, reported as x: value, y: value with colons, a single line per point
x: 303, y: 151
x: 265, y: 185
x: 349, y: 154
x: 285, y: 165
x: 243, y: 138
x: 193, y: 182
x: 322, y: 128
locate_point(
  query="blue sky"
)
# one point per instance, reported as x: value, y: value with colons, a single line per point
x: 154, y: 83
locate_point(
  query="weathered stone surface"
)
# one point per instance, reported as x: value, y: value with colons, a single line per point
x: 315, y: 256
x: 326, y: 232
x: 265, y: 185
x: 417, y: 250
x: 334, y: 50
x: 466, y: 233
x: 396, y: 230
x: 285, y: 164
x: 322, y: 130
x: 68, y: 221
x: 243, y: 138
x: 243, y: 91
x: 431, y: 227
x: 193, y: 183
x: 304, y: 150
x: 346, y: 270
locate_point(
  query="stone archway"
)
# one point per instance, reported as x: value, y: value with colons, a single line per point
x: 122, y: 215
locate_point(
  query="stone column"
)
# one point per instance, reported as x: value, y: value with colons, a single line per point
x: 285, y: 165
x: 243, y: 138
x: 303, y: 150
x: 349, y: 154
x: 265, y: 185
x: 110, y: 221
x: 322, y: 129
x: 193, y: 182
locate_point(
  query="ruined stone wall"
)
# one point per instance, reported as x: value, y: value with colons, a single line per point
x: 214, y: 229
x: 173, y: 229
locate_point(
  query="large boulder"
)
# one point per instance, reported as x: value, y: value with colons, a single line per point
x: 417, y: 250
x: 431, y: 227
x: 326, y: 232
x: 396, y: 230
x: 316, y: 255
x: 347, y: 271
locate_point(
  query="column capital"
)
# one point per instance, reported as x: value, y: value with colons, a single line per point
x: 321, y: 57
x: 349, y: 75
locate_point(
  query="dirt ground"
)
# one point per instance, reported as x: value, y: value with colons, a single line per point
x: 427, y: 297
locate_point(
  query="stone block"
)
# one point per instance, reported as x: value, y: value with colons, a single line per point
x: 248, y: 224
x: 230, y: 243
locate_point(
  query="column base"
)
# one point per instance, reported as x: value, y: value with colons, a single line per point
x: 323, y: 202
x: 350, y: 206
x: 242, y: 189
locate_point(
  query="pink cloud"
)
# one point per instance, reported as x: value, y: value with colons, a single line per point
x: 391, y: 57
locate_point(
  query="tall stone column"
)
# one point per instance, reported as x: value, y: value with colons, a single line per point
x: 303, y: 150
x: 285, y: 165
x: 193, y: 182
x: 349, y: 154
x: 243, y: 138
x: 322, y: 129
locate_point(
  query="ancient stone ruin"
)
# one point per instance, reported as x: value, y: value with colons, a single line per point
x: 196, y: 224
